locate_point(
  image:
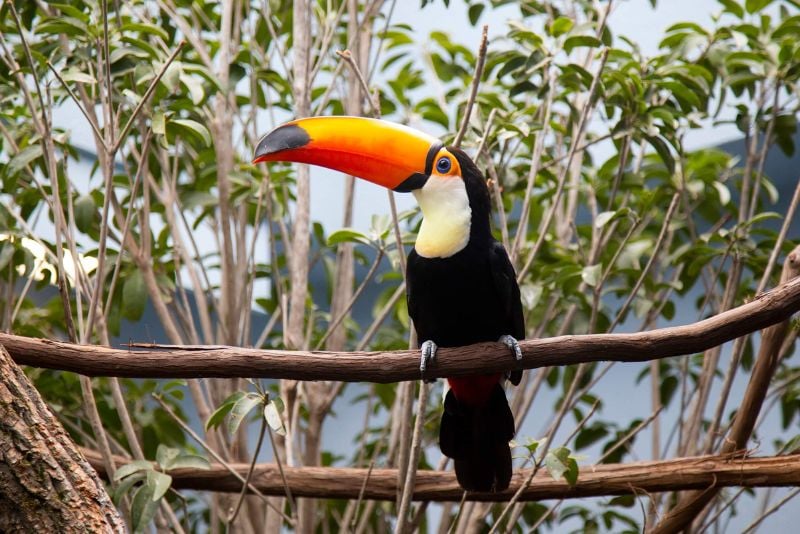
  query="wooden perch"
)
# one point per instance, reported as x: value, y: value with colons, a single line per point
x: 594, y: 481
x: 227, y: 362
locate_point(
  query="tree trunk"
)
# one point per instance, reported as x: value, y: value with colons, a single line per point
x: 46, y: 485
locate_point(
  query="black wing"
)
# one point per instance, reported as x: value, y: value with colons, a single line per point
x: 505, y: 283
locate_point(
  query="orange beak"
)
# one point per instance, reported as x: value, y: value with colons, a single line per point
x: 384, y: 153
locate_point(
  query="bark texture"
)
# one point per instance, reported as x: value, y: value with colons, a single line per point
x: 46, y: 485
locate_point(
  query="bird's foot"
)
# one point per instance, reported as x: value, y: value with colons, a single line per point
x: 514, y: 376
x: 512, y: 344
x: 427, y: 355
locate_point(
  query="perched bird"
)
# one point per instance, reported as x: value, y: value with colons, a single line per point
x: 461, y: 286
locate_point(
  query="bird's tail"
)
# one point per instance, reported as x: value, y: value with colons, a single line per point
x: 476, y: 438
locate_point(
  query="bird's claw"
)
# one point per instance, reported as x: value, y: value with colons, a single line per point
x: 512, y: 344
x: 427, y: 355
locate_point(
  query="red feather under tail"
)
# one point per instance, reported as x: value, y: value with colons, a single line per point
x: 476, y: 437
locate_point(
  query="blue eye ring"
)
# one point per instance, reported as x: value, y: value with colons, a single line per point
x: 443, y: 165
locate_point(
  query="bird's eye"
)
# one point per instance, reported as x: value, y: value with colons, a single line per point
x: 443, y: 165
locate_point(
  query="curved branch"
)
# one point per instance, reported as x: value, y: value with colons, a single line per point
x: 391, y: 366
x: 594, y: 481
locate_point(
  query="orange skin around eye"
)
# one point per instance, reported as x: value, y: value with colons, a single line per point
x: 455, y: 168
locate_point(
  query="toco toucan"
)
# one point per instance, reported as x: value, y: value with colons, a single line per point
x: 461, y: 286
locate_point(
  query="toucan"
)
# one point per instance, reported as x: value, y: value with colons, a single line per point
x: 461, y: 286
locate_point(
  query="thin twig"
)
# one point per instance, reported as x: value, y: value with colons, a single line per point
x: 752, y: 526
x: 279, y: 463
x: 348, y: 57
x: 476, y: 81
x: 343, y: 314
x: 352, y: 523
x: 413, y: 461
x: 240, y: 500
x: 95, y: 129
x: 656, y: 249
x: 624, y: 439
x: 378, y: 321
x: 125, y: 129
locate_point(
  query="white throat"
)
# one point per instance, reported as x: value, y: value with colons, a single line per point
x: 446, y: 217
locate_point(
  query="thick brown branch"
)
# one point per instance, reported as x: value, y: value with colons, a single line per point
x: 593, y: 481
x: 766, y: 309
x: 692, y: 503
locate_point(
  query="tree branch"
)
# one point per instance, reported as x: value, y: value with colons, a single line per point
x: 692, y: 503
x: 391, y: 366
x: 594, y: 481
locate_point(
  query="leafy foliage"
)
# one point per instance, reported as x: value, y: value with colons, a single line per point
x: 613, y: 219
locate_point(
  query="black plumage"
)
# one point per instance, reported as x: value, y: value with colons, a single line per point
x: 470, y: 297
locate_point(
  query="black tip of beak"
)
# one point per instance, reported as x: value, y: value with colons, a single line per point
x: 281, y: 138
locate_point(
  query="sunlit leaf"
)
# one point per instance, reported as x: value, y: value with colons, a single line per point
x: 272, y: 414
x: 241, y: 408
x: 591, y: 274
x: 160, y: 483
x: 25, y: 157
x: 577, y: 41
x: 191, y: 127
x: 132, y: 467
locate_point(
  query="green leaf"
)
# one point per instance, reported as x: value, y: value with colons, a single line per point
x: 71, y: 11
x: 348, y: 235
x: 166, y: 455
x: 723, y: 192
x: 74, y: 75
x: 560, y: 465
x: 143, y: 507
x: 561, y: 26
x: 193, y: 461
x: 85, y: 211
x: 663, y: 150
x: 145, y: 28
x: 134, y: 296
x: 753, y: 6
x: 591, y: 274
x: 159, y: 123
x: 216, y: 418
x: 194, y: 128
x: 121, y: 489
x: 272, y: 414
x: 590, y: 435
x: 64, y: 25
x: 521, y: 32
x: 195, y: 87
x: 733, y: 7
x: 132, y: 467
x: 474, y: 13
x: 23, y: 158
x: 577, y: 41
x: 606, y: 217
x: 531, y: 445
x: 240, y: 409
x: 555, y: 466
x: 160, y: 483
